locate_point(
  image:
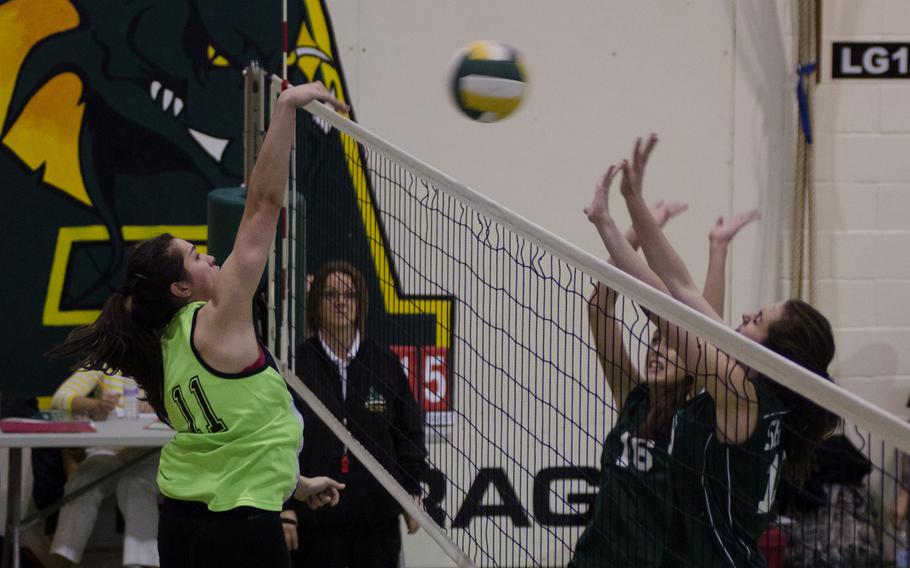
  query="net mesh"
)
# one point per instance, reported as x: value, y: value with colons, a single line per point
x: 496, y: 345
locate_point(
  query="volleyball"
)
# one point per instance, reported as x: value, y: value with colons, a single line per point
x: 488, y: 80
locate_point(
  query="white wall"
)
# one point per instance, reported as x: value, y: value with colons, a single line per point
x: 862, y: 191
x: 864, y: 214
x: 603, y: 72
x: 862, y: 183
x: 863, y: 175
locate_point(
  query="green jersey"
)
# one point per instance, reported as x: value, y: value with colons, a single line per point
x: 238, y: 435
x: 723, y: 493
x: 633, y: 502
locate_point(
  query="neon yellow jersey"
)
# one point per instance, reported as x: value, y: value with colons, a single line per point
x: 238, y: 435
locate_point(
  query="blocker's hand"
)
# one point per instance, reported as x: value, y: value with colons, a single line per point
x: 302, y: 95
x: 633, y: 174
x: 662, y: 213
x: 724, y: 230
x: 317, y: 492
x: 599, y: 208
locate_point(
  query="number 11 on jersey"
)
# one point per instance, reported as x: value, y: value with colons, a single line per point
x: 213, y: 423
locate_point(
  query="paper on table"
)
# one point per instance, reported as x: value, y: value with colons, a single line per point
x: 28, y: 426
x: 157, y: 425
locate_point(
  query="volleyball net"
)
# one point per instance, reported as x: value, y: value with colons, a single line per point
x: 495, y: 324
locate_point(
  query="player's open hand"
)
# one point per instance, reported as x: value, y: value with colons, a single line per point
x: 599, y: 208
x: 302, y: 95
x: 724, y: 230
x: 663, y: 212
x: 633, y: 173
x: 318, y: 492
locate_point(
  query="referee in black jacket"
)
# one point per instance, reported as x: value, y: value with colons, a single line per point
x: 363, y: 385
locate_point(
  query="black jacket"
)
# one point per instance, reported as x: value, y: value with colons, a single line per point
x: 835, y: 460
x: 382, y: 414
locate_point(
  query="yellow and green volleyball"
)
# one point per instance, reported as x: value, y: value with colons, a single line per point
x: 488, y: 80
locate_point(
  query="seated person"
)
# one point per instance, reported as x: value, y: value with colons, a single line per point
x: 98, y: 394
x: 833, y: 512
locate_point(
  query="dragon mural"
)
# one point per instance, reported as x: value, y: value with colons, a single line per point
x: 114, y: 124
x: 116, y: 121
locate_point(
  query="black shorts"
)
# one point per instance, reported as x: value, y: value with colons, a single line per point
x: 191, y: 536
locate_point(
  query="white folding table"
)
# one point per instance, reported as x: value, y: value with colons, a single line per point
x: 114, y: 432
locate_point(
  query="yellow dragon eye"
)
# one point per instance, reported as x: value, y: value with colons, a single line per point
x: 216, y: 59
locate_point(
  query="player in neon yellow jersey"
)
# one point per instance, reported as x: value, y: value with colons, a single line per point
x: 183, y: 328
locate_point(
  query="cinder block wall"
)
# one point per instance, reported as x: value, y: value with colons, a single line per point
x: 863, y: 188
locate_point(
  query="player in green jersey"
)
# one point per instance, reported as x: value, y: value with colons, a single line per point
x: 633, y: 504
x: 733, y: 439
x: 183, y: 327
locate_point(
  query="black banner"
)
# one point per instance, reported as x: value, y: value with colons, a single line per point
x: 883, y: 60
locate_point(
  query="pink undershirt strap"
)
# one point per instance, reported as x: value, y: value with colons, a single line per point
x: 260, y: 361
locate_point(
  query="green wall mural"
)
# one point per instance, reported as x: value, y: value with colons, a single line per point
x: 118, y: 118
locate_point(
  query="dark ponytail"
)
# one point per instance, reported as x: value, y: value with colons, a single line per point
x: 805, y: 337
x: 126, y: 337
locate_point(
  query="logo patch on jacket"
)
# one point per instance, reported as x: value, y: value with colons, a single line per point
x: 374, y: 402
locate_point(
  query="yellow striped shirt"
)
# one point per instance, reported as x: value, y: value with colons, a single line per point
x: 87, y: 383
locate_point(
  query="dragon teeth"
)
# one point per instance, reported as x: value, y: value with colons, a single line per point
x: 166, y: 99
x: 213, y: 145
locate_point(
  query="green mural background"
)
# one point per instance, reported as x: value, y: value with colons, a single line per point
x: 118, y: 118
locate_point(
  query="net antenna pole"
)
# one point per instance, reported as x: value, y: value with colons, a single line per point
x: 284, y: 39
x: 253, y: 134
x: 292, y: 242
x: 278, y: 333
x: 272, y: 332
x: 253, y: 118
x: 283, y: 236
x: 285, y: 336
x: 293, y: 248
x: 287, y: 237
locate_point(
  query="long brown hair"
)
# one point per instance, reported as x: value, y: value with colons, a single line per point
x: 126, y: 337
x: 317, y: 293
x: 804, y: 336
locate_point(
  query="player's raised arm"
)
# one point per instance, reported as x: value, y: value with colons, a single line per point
x: 242, y: 270
x: 622, y: 253
x: 606, y: 331
x: 722, y: 376
x: 621, y: 375
x: 661, y: 255
x: 719, y: 239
